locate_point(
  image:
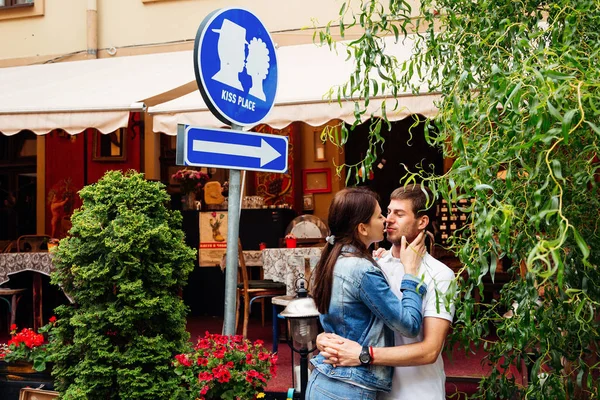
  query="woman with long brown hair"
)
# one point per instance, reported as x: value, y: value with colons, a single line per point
x: 355, y: 299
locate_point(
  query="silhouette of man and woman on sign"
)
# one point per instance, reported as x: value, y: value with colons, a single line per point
x: 231, y: 48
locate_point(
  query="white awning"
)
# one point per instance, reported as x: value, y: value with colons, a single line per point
x: 306, y: 74
x: 93, y: 93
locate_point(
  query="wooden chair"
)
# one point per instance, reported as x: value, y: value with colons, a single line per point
x: 251, y: 290
x: 32, y: 243
x: 35, y: 243
x: 9, y: 247
x: 15, y: 296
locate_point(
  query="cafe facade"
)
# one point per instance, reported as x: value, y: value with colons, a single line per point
x: 110, y: 94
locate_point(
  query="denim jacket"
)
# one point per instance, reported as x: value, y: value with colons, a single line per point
x: 364, y: 309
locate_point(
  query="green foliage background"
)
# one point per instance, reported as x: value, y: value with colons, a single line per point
x: 124, y: 265
x: 519, y: 84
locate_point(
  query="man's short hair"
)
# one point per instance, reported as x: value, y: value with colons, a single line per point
x: 421, y: 203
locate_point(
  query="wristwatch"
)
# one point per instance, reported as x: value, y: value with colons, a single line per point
x: 365, y: 356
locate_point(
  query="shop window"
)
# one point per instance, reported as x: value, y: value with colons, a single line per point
x: 14, y: 9
x: 16, y: 3
x: 18, y: 182
x: 109, y: 147
x: 18, y: 149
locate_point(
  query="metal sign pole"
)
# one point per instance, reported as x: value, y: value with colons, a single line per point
x: 233, y: 233
x: 230, y: 98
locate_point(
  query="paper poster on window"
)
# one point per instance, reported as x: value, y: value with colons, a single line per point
x: 213, y: 238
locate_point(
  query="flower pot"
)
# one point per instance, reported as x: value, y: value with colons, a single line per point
x: 17, y: 375
x: 290, y: 243
x: 20, y: 367
x: 188, y: 201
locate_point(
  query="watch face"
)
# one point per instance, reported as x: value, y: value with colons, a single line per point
x: 364, y: 357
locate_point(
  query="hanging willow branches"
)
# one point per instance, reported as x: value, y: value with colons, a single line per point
x: 520, y: 115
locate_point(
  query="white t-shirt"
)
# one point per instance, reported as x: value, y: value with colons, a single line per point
x: 423, y: 382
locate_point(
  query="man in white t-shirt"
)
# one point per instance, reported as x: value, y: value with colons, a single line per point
x: 419, y: 372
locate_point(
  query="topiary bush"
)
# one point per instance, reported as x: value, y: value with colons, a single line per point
x: 124, y: 265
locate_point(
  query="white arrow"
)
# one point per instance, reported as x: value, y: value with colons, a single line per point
x: 265, y: 152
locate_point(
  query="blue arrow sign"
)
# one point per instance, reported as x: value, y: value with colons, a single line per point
x: 225, y: 148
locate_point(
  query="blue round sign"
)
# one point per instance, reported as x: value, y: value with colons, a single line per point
x: 236, y: 66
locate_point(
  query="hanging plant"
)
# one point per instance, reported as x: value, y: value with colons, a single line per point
x: 520, y: 115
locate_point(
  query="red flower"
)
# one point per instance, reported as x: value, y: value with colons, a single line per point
x: 223, y: 365
x: 26, y: 345
x: 202, y: 361
x: 52, y: 319
x: 237, y: 338
x: 222, y: 339
x: 242, y: 347
x: 183, y: 360
x: 222, y: 374
x: 205, y: 376
x: 219, y: 353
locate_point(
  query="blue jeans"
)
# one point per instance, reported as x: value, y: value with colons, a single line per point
x: 321, y: 387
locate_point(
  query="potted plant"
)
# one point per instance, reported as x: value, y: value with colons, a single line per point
x: 26, y: 351
x: 24, y: 361
x: 225, y: 367
x: 191, y: 183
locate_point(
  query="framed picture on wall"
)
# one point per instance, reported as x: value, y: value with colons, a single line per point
x: 308, y: 202
x: 317, y: 180
x: 319, y: 145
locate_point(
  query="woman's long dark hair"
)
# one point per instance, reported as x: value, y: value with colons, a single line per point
x: 349, y: 208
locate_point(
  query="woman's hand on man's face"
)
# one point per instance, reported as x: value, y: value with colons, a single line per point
x: 411, y: 254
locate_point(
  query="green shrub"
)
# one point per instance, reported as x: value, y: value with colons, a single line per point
x: 124, y: 266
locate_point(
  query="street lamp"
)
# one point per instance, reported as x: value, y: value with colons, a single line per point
x: 302, y: 315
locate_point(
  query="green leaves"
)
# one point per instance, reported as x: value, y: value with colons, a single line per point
x: 520, y: 117
x: 123, y: 264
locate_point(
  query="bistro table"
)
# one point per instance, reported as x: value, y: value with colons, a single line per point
x: 285, y: 265
x: 12, y: 263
